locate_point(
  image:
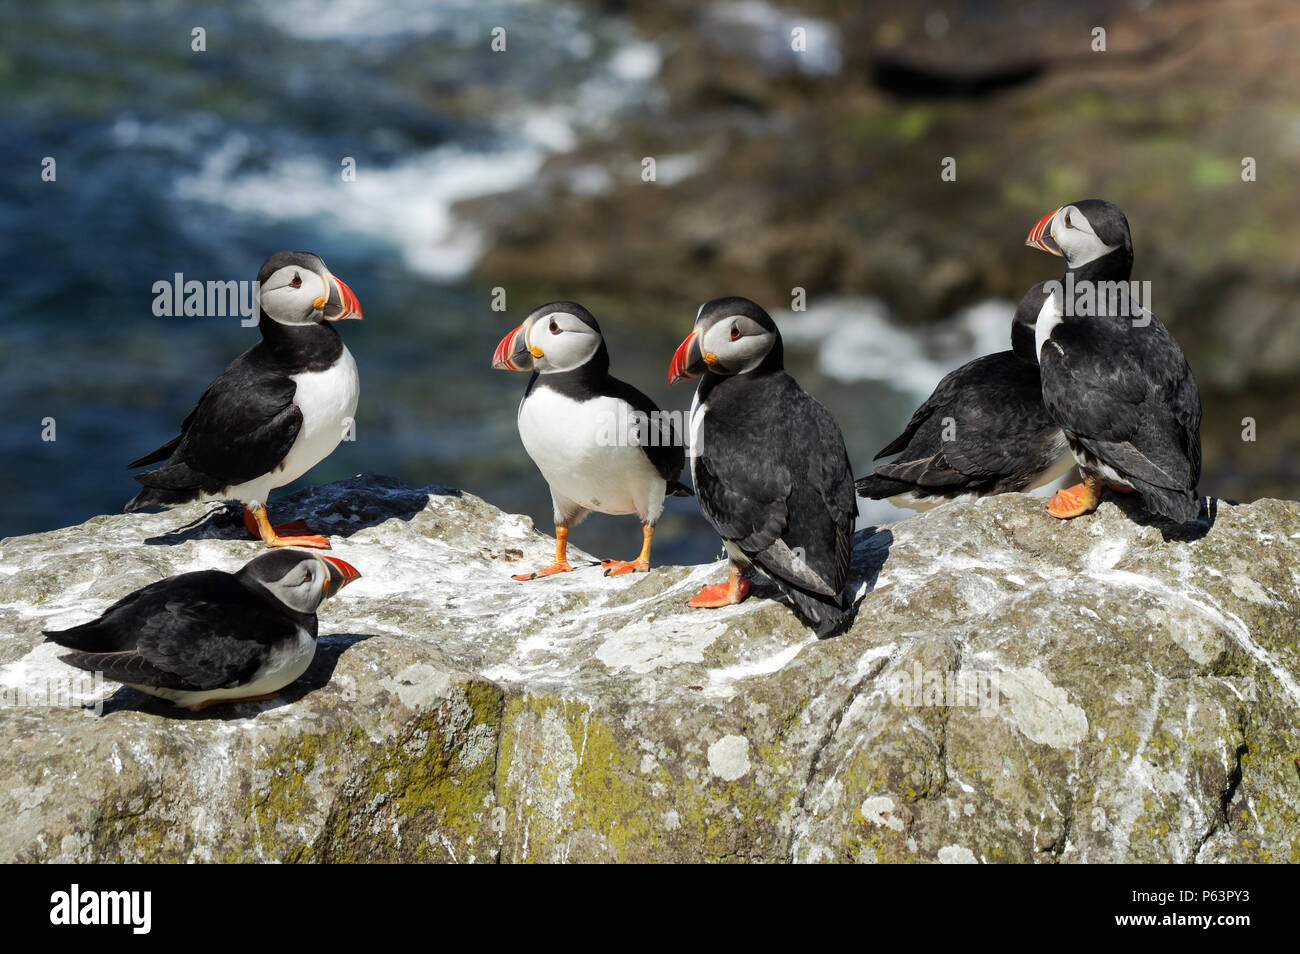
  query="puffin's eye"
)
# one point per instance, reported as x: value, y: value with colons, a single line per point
x: 735, y: 332
x: 297, y: 281
x: 1067, y: 221
x: 554, y: 328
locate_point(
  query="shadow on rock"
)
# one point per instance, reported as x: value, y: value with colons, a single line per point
x: 338, y: 509
x: 1135, y: 510
x: 328, y: 650
x: 870, y: 550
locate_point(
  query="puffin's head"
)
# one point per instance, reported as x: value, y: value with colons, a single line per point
x: 1040, y: 302
x: 558, y: 336
x: 295, y: 288
x: 731, y: 336
x: 1082, y: 232
x: 299, y: 579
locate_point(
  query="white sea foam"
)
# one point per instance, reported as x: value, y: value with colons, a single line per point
x: 410, y: 203
x: 856, y: 341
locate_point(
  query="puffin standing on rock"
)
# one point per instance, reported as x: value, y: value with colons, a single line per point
x: 769, y: 465
x: 983, y: 431
x: 601, y: 444
x: 278, y: 410
x: 1114, y: 379
x: 207, y: 637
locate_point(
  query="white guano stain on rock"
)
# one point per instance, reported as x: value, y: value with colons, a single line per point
x: 879, y: 810
x: 956, y: 855
x: 1041, y: 711
x: 729, y: 757
x: 644, y: 647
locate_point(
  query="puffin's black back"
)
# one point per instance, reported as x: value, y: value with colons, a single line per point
x: 245, y: 422
x: 200, y: 630
x: 773, y: 478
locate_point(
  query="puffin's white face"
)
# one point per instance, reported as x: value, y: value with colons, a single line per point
x: 560, y: 341
x: 295, y: 295
x: 300, y: 580
x: 734, y: 344
x: 304, y: 587
x: 1074, y: 235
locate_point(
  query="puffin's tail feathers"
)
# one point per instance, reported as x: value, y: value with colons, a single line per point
x: 1180, y: 508
x: 168, y: 486
x: 825, y: 617
x: 678, y: 489
x: 875, y: 487
x: 161, y: 453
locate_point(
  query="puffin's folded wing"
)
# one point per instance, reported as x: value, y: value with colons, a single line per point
x: 212, y: 645
x: 242, y: 428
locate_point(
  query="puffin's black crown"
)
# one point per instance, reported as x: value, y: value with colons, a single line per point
x: 1108, y: 221
x: 307, y: 260
x: 571, y: 307
x: 735, y: 305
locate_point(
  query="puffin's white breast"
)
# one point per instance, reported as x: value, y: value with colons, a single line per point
x: 328, y: 401
x: 587, y: 452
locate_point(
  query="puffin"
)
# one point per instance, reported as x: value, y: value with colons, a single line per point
x: 769, y: 466
x: 1114, y: 378
x: 277, y: 410
x: 206, y: 637
x: 983, y: 431
x: 601, y: 444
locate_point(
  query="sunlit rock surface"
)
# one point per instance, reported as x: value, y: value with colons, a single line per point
x: 1013, y: 689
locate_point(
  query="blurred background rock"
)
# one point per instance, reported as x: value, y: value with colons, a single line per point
x: 523, y: 170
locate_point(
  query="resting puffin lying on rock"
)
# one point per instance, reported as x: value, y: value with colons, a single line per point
x: 277, y: 411
x: 983, y: 431
x: 207, y: 637
x: 601, y: 444
x: 769, y: 465
x: 1114, y: 380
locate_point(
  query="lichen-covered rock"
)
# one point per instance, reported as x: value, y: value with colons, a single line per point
x: 1013, y: 689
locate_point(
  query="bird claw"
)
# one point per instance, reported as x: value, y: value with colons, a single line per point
x: 551, y: 570
x: 620, y: 567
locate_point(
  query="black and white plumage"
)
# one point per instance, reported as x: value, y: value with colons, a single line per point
x: 601, y: 444
x: 209, y: 636
x: 769, y: 465
x: 1114, y: 378
x: 276, y: 411
x: 983, y: 431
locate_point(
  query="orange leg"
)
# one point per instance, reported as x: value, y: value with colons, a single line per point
x: 259, y: 525
x: 722, y: 594
x: 561, y: 564
x: 1077, y: 500
x: 640, y: 565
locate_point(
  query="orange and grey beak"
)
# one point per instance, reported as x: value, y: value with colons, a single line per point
x: 342, y: 303
x: 513, y: 353
x: 341, y: 574
x: 687, y: 360
x: 1040, y: 236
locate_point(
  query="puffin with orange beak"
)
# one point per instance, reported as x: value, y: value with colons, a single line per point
x: 206, y: 637
x: 1114, y: 379
x: 278, y: 410
x: 769, y: 465
x: 601, y: 444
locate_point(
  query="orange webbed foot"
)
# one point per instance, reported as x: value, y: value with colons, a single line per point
x: 558, y: 567
x: 1075, y: 501
x: 721, y: 594
x: 620, y: 567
